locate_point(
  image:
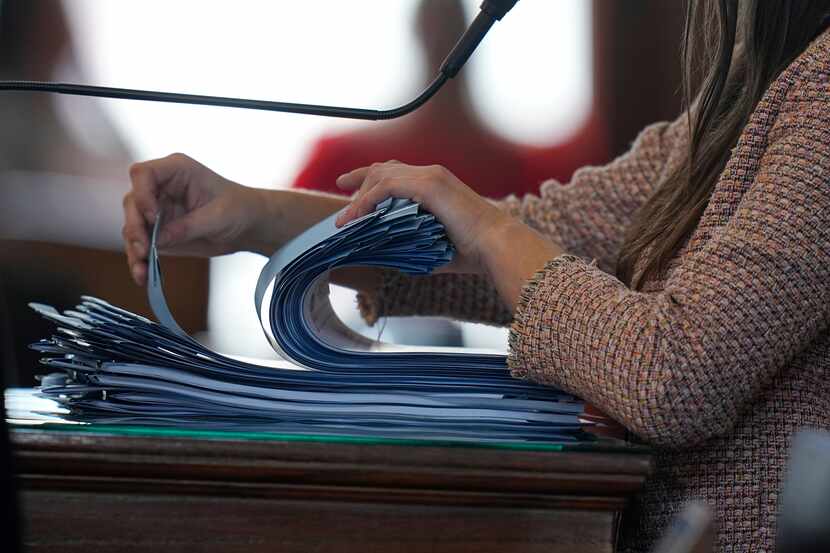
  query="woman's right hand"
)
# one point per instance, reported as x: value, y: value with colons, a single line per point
x: 204, y: 214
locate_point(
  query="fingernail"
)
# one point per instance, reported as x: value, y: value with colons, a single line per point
x: 150, y: 214
x: 136, y: 272
x: 138, y: 247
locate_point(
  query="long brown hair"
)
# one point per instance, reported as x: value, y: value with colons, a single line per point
x: 727, y: 83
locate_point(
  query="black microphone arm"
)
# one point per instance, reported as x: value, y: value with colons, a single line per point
x: 491, y: 11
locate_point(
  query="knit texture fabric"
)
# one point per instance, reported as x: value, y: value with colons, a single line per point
x: 719, y: 361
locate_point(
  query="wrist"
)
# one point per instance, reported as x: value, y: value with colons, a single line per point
x: 361, y: 279
x: 277, y: 216
x: 263, y: 215
x: 495, y: 244
x: 516, y: 252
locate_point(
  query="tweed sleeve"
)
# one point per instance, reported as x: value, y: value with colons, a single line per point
x: 681, y: 365
x: 465, y: 297
x: 589, y: 215
x: 586, y: 217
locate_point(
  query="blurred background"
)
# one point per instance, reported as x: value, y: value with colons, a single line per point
x: 555, y: 86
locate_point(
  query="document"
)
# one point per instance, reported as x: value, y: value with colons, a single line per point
x: 111, y: 366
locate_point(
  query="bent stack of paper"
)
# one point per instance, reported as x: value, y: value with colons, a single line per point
x: 120, y: 368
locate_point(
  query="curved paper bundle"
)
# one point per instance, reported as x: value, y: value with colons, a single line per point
x: 118, y: 367
x: 292, y: 293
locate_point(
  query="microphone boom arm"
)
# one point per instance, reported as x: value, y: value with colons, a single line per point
x: 491, y: 11
x: 265, y: 105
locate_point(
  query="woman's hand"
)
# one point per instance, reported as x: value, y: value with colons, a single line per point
x: 469, y: 219
x: 487, y: 240
x: 204, y: 213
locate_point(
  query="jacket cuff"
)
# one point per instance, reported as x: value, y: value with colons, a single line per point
x: 544, y: 301
x: 373, y: 305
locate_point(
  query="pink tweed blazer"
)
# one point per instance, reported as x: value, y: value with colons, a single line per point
x: 719, y: 361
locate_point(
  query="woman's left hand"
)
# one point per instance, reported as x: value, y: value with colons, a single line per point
x: 484, y: 236
x: 468, y: 217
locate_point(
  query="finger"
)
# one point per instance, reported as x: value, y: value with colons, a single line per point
x: 135, y: 228
x: 139, y: 273
x: 377, y: 173
x: 198, y: 224
x: 392, y: 171
x: 136, y: 254
x: 145, y: 190
x: 353, y: 179
x: 368, y: 202
x: 136, y: 242
x: 370, y: 180
x: 409, y: 186
x: 154, y: 178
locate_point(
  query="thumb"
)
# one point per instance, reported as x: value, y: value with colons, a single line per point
x: 200, y: 223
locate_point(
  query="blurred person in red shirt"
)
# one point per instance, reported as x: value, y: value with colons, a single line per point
x: 446, y: 131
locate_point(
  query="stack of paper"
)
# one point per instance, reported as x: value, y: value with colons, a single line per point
x: 118, y: 367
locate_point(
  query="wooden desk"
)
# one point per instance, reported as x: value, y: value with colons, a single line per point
x: 88, y: 492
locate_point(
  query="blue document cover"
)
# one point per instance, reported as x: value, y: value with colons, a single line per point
x: 113, y: 366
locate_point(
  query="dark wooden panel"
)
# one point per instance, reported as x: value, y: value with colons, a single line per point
x: 85, y: 457
x: 73, y: 522
x: 89, y: 492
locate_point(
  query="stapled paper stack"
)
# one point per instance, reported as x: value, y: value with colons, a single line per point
x: 120, y: 368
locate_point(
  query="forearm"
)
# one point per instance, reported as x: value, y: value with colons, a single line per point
x: 588, y: 216
x: 280, y: 215
x: 465, y: 297
x: 283, y: 214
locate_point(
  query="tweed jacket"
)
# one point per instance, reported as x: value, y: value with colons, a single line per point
x: 718, y: 361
